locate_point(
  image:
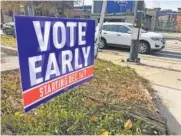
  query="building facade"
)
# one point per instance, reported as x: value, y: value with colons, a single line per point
x: 123, y: 11
x: 41, y: 8
x: 116, y: 11
x: 179, y: 20
x: 168, y: 20
x: 83, y: 11
x: 114, y: 6
x: 86, y: 8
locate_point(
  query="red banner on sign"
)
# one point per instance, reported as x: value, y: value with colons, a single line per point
x: 42, y: 91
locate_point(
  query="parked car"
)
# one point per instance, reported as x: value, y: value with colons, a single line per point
x: 119, y: 35
x: 8, y: 29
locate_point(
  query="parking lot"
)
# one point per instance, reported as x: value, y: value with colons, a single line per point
x: 163, y: 70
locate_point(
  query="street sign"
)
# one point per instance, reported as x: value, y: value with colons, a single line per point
x: 164, y: 13
x: 55, y: 54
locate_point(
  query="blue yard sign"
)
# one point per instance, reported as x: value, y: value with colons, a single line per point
x: 55, y: 54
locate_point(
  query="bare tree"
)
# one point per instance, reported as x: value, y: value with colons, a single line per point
x: 42, y: 8
x: 59, y: 6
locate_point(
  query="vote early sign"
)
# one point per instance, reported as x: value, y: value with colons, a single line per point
x: 55, y: 54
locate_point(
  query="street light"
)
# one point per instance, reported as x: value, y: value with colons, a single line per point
x: 30, y: 8
x: 104, y: 6
x: 138, y: 14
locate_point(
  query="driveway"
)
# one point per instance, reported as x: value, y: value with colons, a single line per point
x: 163, y: 69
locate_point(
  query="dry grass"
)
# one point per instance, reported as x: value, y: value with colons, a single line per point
x: 72, y: 111
x: 8, y: 41
x: 117, y: 84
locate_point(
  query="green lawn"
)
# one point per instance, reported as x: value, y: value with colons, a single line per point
x: 88, y: 109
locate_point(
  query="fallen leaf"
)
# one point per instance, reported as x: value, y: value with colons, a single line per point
x: 94, y: 118
x: 35, y: 113
x: 155, y: 132
x: 13, y: 103
x: 138, y: 130
x: 108, y: 69
x: 128, y: 124
x: 56, y: 130
x: 27, y: 118
x: 18, y: 91
x: 17, y: 113
x: 105, y: 133
x: 8, y: 132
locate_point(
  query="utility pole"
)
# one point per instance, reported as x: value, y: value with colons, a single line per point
x: 103, y: 12
x: 138, y: 14
x: 83, y: 9
x: 30, y: 8
x: 2, y: 16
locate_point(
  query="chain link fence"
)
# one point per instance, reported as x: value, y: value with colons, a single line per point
x: 168, y: 26
x: 164, y: 26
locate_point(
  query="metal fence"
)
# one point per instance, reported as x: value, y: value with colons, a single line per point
x: 164, y: 26
x: 168, y: 26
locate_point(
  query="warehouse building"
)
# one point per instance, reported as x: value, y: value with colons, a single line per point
x: 118, y: 11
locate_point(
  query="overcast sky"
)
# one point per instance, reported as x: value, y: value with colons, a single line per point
x: 164, y: 4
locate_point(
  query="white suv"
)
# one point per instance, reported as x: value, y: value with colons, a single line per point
x: 119, y: 34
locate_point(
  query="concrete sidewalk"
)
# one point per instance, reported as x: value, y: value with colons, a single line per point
x: 165, y: 77
x: 8, y: 62
x: 171, y: 35
x: 9, y: 58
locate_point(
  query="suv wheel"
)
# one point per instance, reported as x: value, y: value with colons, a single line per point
x: 102, y: 44
x: 143, y: 47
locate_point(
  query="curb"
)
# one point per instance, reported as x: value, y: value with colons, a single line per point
x: 8, y: 70
x: 9, y: 50
x: 173, y: 38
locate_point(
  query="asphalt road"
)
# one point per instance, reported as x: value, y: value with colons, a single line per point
x: 171, y: 51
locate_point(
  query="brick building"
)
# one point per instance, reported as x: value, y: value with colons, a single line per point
x: 179, y: 20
